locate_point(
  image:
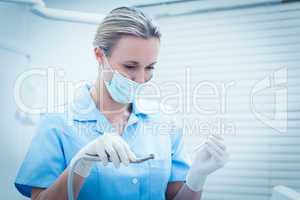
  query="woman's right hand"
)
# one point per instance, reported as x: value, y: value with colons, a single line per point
x: 109, y: 146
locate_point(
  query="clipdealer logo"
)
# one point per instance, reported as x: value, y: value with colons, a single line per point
x: 268, y: 99
x: 273, y: 87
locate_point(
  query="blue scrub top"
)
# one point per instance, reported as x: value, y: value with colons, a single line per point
x: 59, y: 136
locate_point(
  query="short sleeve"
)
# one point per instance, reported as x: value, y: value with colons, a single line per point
x: 180, y: 160
x: 44, y: 161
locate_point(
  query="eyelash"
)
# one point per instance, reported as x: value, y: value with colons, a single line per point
x: 132, y: 67
x: 129, y: 66
x: 150, y: 67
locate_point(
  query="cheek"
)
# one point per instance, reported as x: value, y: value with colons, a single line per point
x: 130, y: 73
x: 149, y: 75
x: 124, y: 71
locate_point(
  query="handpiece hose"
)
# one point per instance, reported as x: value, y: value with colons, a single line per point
x: 94, y: 158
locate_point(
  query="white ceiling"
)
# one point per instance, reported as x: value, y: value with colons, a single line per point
x: 104, y: 6
x: 96, y: 6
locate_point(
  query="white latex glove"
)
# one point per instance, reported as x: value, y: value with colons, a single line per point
x: 210, y: 156
x: 109, y: 144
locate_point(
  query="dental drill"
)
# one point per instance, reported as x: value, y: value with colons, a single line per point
x: 94, y: 158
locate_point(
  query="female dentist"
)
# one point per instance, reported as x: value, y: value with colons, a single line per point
x: 104, y: 119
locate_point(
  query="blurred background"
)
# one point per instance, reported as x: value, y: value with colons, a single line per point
x: 240, y: 57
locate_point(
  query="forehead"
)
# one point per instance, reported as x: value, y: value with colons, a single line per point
x: 137, y: 49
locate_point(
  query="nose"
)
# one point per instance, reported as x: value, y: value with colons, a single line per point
x: 141, y: 76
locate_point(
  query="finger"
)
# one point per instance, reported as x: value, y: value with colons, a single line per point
x: 213, y: 152
x: 215, y: 147
x: 220, y: 161
x: 101, y: 153
x: 121, y: 153
x: 200, y: 146
x: 217, y: 136
x: 219, y: 143
x: 130, y: 154
x: 112, y: 155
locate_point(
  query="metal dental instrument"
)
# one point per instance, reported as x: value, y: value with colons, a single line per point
x: 95, y: 158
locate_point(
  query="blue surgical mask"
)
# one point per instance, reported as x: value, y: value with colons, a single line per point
x: 122, y: 89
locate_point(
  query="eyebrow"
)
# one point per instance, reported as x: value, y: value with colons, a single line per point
x: 137, y: 63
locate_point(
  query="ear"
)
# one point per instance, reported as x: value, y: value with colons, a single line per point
x: 99, y: 54
x: 100, y: 57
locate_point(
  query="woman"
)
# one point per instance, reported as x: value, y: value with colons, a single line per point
x: 105, y: 120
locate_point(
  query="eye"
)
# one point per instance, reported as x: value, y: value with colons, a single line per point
x: 129, y: 66
x: 150, y: 67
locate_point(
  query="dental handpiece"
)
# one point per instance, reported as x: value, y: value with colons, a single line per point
x: 95, y: 157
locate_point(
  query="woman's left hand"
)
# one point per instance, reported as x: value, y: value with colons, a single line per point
x: 210, y: 156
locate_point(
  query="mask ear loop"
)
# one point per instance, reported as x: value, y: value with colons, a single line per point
x: 107, y: 71
x: 111, y: 70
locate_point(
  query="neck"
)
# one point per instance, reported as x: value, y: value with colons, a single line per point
x: 104, y: 102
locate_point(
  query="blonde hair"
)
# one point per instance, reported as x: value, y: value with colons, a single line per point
x: 124, y: 21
